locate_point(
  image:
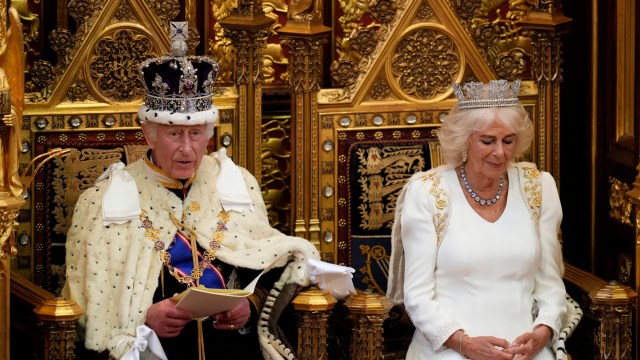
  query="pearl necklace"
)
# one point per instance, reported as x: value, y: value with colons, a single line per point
x: 474, y: 195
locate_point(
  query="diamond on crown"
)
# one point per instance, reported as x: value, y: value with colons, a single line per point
x: 497, y: 93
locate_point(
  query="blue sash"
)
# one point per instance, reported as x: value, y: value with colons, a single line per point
x: 182, y: 262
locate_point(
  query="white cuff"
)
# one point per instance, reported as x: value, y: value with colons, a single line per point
x: 146, y: 345
x: 335, y: 278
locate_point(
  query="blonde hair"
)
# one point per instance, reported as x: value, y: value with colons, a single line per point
x: 459, y: 124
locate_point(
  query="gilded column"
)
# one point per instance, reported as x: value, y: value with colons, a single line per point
x: 11, y: 105
x: 368, y: 312
x: 546, y: 25
x: 314, y: 308
x: 304, y: 33
x: 9, y: 209
x: 58, y: 321
x: 248, y: 28
x: 613, y: 305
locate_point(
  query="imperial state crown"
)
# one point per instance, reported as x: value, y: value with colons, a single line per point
x: 178, y: 87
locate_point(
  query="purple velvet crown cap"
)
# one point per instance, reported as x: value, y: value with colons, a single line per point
x: 178, y: 88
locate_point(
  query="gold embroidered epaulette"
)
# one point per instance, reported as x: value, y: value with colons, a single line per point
x: 440, y: 194
x: 532, y: 188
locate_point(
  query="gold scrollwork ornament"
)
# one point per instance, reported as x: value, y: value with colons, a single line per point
x: 7, y: 225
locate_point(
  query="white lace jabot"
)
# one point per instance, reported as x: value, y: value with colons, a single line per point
x: 120, y: 202
x: 231, y: 187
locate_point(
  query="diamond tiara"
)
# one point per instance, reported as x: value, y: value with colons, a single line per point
x: 497, y: 93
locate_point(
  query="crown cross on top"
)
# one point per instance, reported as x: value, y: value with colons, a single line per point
x: 179, y: 33
x: 497, y: 93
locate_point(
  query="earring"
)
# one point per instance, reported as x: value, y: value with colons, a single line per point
x: 464, y: 156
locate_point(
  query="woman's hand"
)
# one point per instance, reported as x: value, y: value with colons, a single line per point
x: 479, y: 347
x: 485, y: 348
x: 166, y: 319
x: 528, y: 345
x: 233, y: 319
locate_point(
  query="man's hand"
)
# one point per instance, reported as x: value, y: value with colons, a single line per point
x: 233, y: 319
x: 528, y: 345
x: 166, y: 319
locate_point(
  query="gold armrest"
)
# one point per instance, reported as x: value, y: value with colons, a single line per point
x: 57, y: 318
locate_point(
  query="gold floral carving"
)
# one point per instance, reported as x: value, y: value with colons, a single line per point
x: 620, y: 208
x: 124, y: 13
x: 493, y: 25
x: 114, y: 66
x: 380, y: 90
x: 42, y: 76
x: 78, y: 92
x: 165, y: 10
x: 426, y: 63
x: 8, y: 222
x: 425, y: 13
x: 364, y: 40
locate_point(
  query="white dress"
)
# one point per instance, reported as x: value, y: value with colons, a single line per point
x: 484, y: 276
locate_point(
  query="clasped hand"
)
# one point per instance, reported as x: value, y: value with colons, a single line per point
x: 168, y: 321
x: 524, y: 347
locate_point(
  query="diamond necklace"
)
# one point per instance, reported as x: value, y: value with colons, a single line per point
x: 474, y: 195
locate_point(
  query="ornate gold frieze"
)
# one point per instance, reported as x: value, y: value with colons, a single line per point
x: 620, y: 208
x: 492, y: 27
x: 354, y: 61
x: 129, y: 30
x: 113, y: 68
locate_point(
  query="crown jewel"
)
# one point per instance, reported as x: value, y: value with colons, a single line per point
x: 178, y: 84
x: 497, y: 93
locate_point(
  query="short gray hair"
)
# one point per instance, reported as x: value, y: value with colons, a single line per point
x: 459, y: 124
x: 152, y: 129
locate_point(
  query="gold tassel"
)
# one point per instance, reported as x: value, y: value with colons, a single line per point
x: 201, y: 354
